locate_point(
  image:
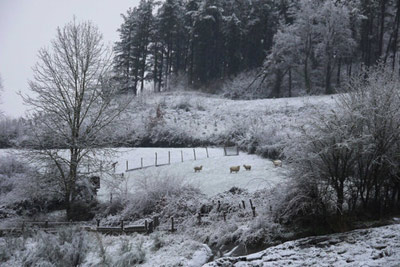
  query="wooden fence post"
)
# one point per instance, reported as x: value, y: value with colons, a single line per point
x: 181, y: 155
x: 156, y: 160
x: 207, y: 152
x: 219, y: 205
x: 172, y: 224
x: 122, y: 225
x: 251, y: 203
x: 151, y: 227
x: 98, y: 223
x: 46, y: 224
x: 224, y: 216
x: 244, y: 205
x: 169, y: 157
x: 146, y: 225
x: 156, y: 222
x: 127, y: 167
x: 110, y: 197
x: 141, y: 163
x: 237, y: 150
x: 199, y: 218
x: 194, y: 153
x: 254, y: 211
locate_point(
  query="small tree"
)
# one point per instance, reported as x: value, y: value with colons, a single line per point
x: 74, y: 105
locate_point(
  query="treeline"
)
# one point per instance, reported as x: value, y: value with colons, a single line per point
x: 12, y: 132
x: 204, y: 41
x: 297, y: 46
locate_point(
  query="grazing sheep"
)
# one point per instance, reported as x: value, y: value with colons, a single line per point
x: 235, y: 169
x: 247, y: 167
x: 277, y: 163
x: 198, y: 169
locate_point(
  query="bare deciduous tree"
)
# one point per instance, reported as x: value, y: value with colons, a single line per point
x: 74, y: 105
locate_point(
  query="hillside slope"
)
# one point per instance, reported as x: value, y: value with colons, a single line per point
x: 178, y: 119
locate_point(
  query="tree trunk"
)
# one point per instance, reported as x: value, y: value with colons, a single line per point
x: 328, y: 87
x: 396, y: 34
x: 290, y: 82
x: 155, y: 70
x: 338, y: 72
x: 382, y: 27
x: 307, y: 81
x: 191, y: 66
x: 340, y: 199
x: 72, y: 177
x: 278, y: 83
x: 160, y: 74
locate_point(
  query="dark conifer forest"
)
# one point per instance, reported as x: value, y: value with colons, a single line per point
x: 287, y: 47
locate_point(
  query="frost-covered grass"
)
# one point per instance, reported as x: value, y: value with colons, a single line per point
x: 73, y: 247
x: 378, y: 246
x: 188, y: 118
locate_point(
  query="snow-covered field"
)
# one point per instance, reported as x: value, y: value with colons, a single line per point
x: 214, y: 178
x: 368, y: 247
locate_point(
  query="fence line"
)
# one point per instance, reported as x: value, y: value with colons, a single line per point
x: 158, y: 164
x: 148, y: 227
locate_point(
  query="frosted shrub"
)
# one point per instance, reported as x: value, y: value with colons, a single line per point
x: 67, y: 248
x: 160, y: 193
x: 131, y: 255
x: 262, y: 231
x: 22, y: 188
x: 243, y: 86
x: 346, y: 162
x: 183, y: 103
x: 158, y: 241
x: 102, y: 252
x: 9, y: 246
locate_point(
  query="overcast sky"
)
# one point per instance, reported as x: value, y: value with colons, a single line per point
x: 28, y: 25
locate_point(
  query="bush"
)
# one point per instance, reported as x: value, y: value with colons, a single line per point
x: 82, y: 211
x: 244, y: 86
x: 347, y: 161
x: 131, y: 255
x: 23, y: 188
x: 9, y: 246
x: 67, y: 248
x: 158, y: 241
x: 164, y: 195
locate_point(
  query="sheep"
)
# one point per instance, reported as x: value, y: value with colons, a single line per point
x: 247, y: 167
x: 235, y: 169
x: 277, y: 163
x: 198, y: 168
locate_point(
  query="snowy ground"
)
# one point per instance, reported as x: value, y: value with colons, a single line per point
x: 209, y: 118
x: 370, y: 247
x: 214, y: 178
x: 175, y: 250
